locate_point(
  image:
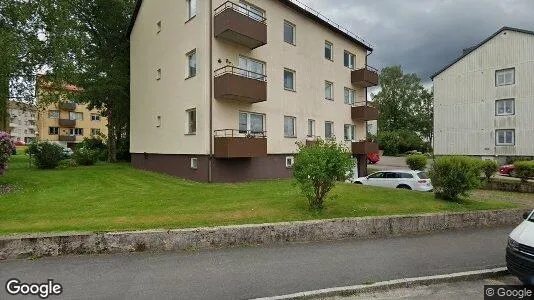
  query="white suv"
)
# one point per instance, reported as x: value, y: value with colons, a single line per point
x: 520, y: 250
x: 401, y: 179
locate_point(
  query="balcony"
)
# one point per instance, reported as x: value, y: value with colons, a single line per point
x: 237, y: 24
x: 67, y: 105
x: 364, y: 113
x: 231, y: 143
x: 364, y: 147
x: 365, y: 77
x: 67, y: 138
x: 312, y: 140
x: 233, y: 83
x: 66, y: 123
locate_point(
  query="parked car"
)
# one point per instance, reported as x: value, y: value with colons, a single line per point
x: 67, y: 152
x: 401, y: 179
x: 520, y: 250
x: 507, y: 170
x: 373, y: 158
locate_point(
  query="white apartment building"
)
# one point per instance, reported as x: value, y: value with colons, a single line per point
x: 484, y: 100
x: 22, y: 121
x: 221, y: 91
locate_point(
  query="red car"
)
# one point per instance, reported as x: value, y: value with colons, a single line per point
x: 507, y: 170
x: 373, y: 158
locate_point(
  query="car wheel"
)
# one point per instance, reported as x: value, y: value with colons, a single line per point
x: 405, y: 187
x: 512, y: 173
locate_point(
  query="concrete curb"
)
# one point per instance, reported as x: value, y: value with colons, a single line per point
x: 393, y: 284
x: 37, y: 245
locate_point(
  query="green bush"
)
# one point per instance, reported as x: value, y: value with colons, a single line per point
x: 524, y: 170
x: 416, y: 161
x: 401, y: 141
x: 96, y: 144
x: 46, y: 155
x: 317, y: 168
x: 85, y: 157
x: 489, y: 167
x: 7, y: 148
x: 454, y: 176
x: 510, y: 160
x: 67, y: 163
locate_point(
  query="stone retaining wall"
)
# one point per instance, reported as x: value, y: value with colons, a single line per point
x: 262, y: 234
x: 509, y: 186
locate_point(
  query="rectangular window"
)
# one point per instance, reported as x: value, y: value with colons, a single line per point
x: 349, y: 132
x: 505, y: 137
x: 350, y: 96
x: 328, y: 90
x: 53, y: 130
x: 328, y: 50
x: 95, y: 131
x: 349, y: 60
x: 194, y: 163
x: 76, y: 131
x: 53, y: 114
x: 505, y: 107
x: 290, y: 126
x: 252, y: 68
x: 289, y: 161
x: 505, y: 77
x: 191, y: 121
x: 191, y: 8
x: 311, y: 128
x: 289, y: 33
x: 76, y: 116
x: 95, y: 117
x: 289, y: 80
x: 251, y: 122
x: 251, y: 11
x: 191, y: 64
x: 329, y: 130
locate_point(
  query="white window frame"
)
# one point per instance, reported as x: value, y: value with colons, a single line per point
x: 331, y: 45
x: 311, y: 128
x: 501, y: 75
x: 347, y: 96
x: 290, y: 160
x: 351, y: 132
x: 252, y: 11
x: 95, y: 131
x: 504, y: 132
x: 52, y: 114
x: 191, y: 9
x: 331, y: 96
x: 507, y: 104
x: 294, y: 34
x: 76, y: 131
x: 95, y: 118
x: 294, y: 75
x: 294, y: 121
x: 194, y: 163
x: 191, y: 56
x: 247, y: 63
x: 191, y: 124
x: 330, y: 135
x: 249, y: 122
x: 56, y: 129
x: 352, y: 60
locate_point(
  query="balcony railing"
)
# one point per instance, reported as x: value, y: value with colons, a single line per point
x: 364, y: 147
x: 234, y: 83
x: 67, y: 105
x: 67, y: 123
x: 233, y: 143
x: 365, y: 77
x: 240, y: 25
x: 364, y: 112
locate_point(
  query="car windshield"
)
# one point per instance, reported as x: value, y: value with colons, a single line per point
x: 422, y: 175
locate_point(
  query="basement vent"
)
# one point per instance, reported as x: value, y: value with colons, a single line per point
x: 194, y: 163
x: 289, y: 161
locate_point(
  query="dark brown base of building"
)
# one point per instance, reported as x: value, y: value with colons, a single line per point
x: 223, y: 170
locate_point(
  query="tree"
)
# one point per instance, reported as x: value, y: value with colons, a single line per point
x: 318, y: 167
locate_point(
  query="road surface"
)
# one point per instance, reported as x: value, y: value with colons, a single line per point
x: 242, y: 273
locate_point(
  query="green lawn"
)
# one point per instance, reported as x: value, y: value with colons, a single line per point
x: 117, y: 197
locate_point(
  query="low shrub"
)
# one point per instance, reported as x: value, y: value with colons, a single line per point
x: 7, y: 148
x: 510, y: 160
x: 524, y: 170
x: 67, y: 163
x: 454, y: 176
x: 416, y: 161
x: 85, y: 157
x: 46, y: 155
x: 401, y: 141
x: 489, y: 167
x: 96, y: 144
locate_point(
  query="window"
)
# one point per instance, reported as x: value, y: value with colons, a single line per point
x: 251, y: 11
x: 191, y: 121
x: 289, y: 33
x: 76, y: 131
x: 158, y: 74
x: 504, y: 107
x: 391, y: 175
x: 289, y: 80
x: 328, y: 90
x: 289, y: 127
x: 376, y: 175
x: 329, y: 130
x: 505, y: 137
x: 194, y: 163
x: 158, y: 27
x: 289, y: 161
x: 191, y: 64
x: 328, y: 50
x: 76, y: 116
x: 251, y: 122
x: 349, y: 132
x: 53, y: 114
x: 53, y: 130
x: 95, y: 117
x: 95, y: 132
x: 406, y: 175
x: 348, y: 60
x: 252, y: 68
x: 350, y: 96
x: 191, y: 8
x: 505, y: 77
x: 311, y: 127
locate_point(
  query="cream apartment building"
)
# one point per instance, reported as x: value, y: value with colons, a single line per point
x: 22, y: 121
x: 484, y: 100
x: 221, y: 91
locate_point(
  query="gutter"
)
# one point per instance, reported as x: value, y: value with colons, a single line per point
x: 210, y: 38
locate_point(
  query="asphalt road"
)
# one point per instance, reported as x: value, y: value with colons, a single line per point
x: 242, y: 273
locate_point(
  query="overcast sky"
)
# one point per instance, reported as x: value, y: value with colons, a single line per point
x: 424, y: 35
